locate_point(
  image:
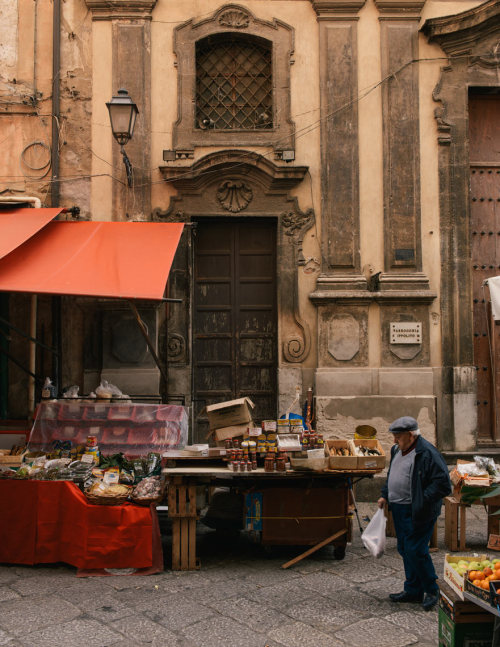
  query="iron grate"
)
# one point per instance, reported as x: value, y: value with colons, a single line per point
x: 233, y: 84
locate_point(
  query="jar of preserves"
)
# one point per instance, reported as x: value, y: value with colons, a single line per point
x: 269, y: 462
x: 280, y: 462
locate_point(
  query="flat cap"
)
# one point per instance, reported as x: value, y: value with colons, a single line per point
x: 406, y: 423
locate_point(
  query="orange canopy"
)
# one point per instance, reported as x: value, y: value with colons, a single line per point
x: 17, y: 225
x: 109, y: 259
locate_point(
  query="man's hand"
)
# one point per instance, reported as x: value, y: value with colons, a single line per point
x: 382, y: 502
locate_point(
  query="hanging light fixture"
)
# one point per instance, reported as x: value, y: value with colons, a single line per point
x: 122, y: 115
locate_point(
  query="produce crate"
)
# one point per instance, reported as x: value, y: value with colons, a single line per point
x: 451, y: 577
x: 482, y: 594
x: 370, y: 462
x: 339, y: 462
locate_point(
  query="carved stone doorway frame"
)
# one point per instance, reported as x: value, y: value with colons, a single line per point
x: 471, y: 41
x: 242, y: 184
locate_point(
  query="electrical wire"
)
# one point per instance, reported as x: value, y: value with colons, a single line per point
x: 297, y: 133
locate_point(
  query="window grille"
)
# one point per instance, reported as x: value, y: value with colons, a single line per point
x: 233, y: 83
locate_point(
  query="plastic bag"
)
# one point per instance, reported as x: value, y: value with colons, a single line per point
x: 71, y: 391
x: 373, y: 537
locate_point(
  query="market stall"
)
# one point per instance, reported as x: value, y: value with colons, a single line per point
x: 296, y: 488
x: 84, y: 488
x: 76, y: 489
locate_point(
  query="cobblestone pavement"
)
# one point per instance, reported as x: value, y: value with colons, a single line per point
x: 239, y: 598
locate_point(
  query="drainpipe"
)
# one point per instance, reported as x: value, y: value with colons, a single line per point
x: 56, y: 112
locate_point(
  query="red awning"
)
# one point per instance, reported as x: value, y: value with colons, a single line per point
x: 17, y: 225
x: 109, y: 259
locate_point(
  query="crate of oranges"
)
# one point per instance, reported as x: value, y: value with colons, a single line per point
x: 478, y: 579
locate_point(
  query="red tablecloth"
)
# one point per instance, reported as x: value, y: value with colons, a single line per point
x: 45, y: 522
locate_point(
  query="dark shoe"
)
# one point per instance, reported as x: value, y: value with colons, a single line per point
x: 405, y: 597
x: 430, y: 601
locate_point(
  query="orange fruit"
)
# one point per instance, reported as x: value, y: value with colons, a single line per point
x: 496, y: 566
x: 485, y: 584
x: 473, y: 575
x: 480, y: 575
x: 477, y: 583
x: 487, y: 571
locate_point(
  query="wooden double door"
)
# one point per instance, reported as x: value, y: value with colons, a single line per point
x: 484, y: 154
x: 234, y: 316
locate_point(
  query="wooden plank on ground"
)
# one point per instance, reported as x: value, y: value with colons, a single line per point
x: 312, y: 550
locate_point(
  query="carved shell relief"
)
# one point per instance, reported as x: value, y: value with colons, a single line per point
x: 234, y: 196
x: 234, y: 18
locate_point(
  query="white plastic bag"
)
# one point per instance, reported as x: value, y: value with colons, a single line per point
x: 374, y: 535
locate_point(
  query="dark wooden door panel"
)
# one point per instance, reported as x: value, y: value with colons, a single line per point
x: 235, y: 315
x: 484, y: 149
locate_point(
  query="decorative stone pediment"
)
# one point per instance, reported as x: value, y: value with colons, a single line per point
x: 461, y: 33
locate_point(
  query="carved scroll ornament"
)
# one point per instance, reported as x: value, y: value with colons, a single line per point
x: 296, y: 223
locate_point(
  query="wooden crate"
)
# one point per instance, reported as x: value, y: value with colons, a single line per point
x: 182, y: 511
x: 339, y: 462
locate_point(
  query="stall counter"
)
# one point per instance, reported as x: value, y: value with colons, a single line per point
x: 51, y: 521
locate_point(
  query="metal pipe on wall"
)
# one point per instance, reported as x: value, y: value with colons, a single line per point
x: 55, y: 192
x: 32, y: 356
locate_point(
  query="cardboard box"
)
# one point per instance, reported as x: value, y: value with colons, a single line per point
x: 235, y: 431
x: 452, y: 634
x: 454, y: 579
x: 370, y: 462
x: 339, y: 462
x: 230, y: 413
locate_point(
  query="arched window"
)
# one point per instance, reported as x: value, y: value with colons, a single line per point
x: 234, y: 89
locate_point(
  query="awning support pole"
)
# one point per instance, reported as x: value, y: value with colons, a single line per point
x: 144, y: 332
x: 32, y: 356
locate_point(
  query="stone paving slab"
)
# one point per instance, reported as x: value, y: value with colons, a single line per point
x: 240, y: 598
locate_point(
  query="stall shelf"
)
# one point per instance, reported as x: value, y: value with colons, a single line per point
x: 294, y: 508
x: 132, y: 428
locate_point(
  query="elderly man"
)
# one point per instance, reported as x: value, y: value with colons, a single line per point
x: 417, y: 481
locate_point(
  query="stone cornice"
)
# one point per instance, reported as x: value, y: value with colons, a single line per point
x: 332, y: 9
x: 397, y: 297
x: 460, y: 32
x: 400, y: 8
x: 110, y: 9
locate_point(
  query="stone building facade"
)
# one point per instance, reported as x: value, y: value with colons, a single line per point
x: 332, y: 160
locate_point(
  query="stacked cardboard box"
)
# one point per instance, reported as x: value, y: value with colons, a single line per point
x: 230, y: 419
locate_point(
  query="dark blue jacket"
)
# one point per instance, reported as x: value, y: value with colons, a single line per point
x: 430, y: 482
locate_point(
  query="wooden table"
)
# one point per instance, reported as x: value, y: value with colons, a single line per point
x: 455, y: 521
x: 298, y: 508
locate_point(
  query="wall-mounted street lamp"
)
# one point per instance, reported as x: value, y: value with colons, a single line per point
x: 122, y: 114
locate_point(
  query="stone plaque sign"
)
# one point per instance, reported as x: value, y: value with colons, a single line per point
x: 406, y: 332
